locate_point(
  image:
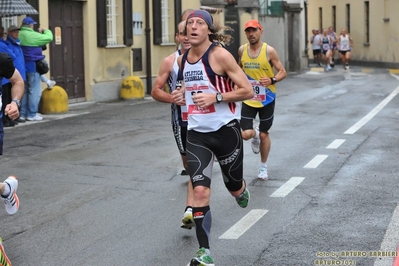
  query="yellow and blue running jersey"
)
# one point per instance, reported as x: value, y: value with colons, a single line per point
x: 255, y: 68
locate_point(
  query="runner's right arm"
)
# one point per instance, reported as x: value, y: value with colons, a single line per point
x: 158, y: 92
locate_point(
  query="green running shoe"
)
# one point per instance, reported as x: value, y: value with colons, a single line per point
x: 243, y: 199
x: 202, y: 258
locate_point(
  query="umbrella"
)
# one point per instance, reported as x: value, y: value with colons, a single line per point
x: 9, y: 8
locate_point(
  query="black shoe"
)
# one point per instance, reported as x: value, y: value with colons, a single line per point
x: 8, y: 123
x: 21, y: 120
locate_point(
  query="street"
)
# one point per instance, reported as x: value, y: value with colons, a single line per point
x: 101, y: 185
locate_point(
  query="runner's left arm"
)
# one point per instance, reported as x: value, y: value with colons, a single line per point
x: 276, y: 63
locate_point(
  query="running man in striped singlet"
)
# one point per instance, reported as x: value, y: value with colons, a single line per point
x: 214, y: 86
x: 345, y: 44
x: 257, y: 59
x: 169, y: 74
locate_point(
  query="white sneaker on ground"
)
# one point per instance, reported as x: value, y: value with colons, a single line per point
x: 37, y: 117
x: 51, y: 83
x: 11, y: 201
x: 255, y: 142
x: 262, y: 172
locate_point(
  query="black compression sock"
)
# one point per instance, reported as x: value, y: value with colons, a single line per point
x: 203, y: 221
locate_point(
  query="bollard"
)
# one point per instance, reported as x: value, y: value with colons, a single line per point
x: 132, y: 87
x: 54, y: 101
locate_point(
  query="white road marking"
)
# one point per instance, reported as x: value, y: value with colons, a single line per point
x: 285, y: 189
x: 335, y: 144
x: 390, y: 241
x: 372, y: 113
x: 318, y: 159
x: 244, y: 224
x: 395, y: 76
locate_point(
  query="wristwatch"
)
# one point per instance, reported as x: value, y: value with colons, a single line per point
x: 274, y: 80
x: 18, y: 102
x: 219, y: 97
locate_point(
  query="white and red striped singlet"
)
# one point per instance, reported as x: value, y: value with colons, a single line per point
x: 199, y: 78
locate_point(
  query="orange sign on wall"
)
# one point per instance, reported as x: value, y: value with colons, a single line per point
x: 57, y: 33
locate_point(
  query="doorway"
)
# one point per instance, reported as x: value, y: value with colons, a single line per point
x: 66, y: 50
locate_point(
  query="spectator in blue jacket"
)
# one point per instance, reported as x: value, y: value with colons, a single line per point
x: 3, y: 44
x: 4, y: 82
x: 31, y: 44
x: 17, y: 55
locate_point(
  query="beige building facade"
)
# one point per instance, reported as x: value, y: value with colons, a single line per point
x: 372, y: 24
x: 97, y: 44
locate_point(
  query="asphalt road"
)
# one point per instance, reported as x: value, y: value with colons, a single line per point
x: 100, y: 185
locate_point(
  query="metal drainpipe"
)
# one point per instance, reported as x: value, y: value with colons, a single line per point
x: 148, y: 46
x: 306, y: 26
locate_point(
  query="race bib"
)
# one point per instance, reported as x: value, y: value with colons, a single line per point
x: 259, y: 91
x: 193, y: 109
x: 183, y: 109
x: 196, y: 110
x: 184, y: 113
x: 326, y: 46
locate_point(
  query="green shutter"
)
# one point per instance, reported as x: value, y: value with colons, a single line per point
x: 157, y: 21
x: 178, y: 12
x: 102, y: 23
x: 127, y: 22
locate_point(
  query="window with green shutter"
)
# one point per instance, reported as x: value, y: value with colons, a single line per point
x: 108, y: 19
